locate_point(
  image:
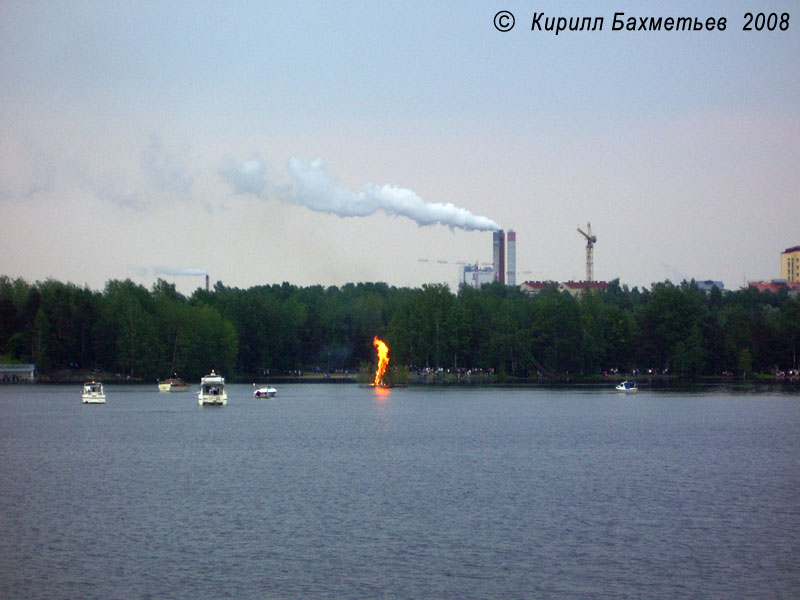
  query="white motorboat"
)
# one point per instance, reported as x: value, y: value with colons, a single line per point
x: 627, y: 386
x: 212, y: 391
x: 93, y: 393
x: 173, y: 384
x: 265, y: 392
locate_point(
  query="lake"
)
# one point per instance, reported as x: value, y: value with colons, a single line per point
x: 338, y: 491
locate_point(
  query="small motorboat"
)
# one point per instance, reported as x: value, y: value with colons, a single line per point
x: 265, y: 392
x: 93, y: 393
x: 173, y: 384
x: 627, y: 386
x: 212, y: 391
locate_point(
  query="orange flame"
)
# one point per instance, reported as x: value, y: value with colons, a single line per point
x: 383, y: 359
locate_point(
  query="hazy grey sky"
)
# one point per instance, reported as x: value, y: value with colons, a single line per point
x: 146, y: 139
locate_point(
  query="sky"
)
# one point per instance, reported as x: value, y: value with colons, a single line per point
x: 336, y: 142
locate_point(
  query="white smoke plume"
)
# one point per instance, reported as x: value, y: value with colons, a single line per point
x: 184, y: 272
x: 315, y: 189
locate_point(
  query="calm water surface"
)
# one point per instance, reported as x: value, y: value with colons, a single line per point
x: 335, y: 491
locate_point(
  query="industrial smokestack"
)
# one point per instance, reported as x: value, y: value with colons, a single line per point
x: 499, y: 248
x: 207, y: 286
x: 511, y: 273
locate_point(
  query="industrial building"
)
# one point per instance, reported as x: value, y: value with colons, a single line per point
x: 504, y: 268
x: 475, y: 276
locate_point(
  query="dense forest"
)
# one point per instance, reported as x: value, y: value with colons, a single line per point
x: 144, y: 334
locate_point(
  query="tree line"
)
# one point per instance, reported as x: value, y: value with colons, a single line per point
x: 129, y: 330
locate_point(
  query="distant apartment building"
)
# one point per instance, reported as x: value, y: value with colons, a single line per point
x: 790, y: 264
x: 709, y: 284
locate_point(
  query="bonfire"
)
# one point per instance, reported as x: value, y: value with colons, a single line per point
x: 383, y: 360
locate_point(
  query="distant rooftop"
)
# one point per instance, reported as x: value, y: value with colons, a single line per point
x: 775, y: 285
x: 573, y: 287
x: 539, y: 285
x: 583, y: 285
x: 707, y: 284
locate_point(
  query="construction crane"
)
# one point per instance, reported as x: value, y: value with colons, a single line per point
x: 590, y: 241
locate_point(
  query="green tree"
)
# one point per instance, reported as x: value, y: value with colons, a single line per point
x: 437, y: 302
x: 207, y: 341
x: 668, y: 317
x: 595, y: 324
x: 790, y: 328
x: 557, y: 332
x: 745, y: 362
x: 130, y: 315
x: 689, y: 356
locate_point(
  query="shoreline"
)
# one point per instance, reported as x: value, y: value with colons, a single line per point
x: 446, y: 380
